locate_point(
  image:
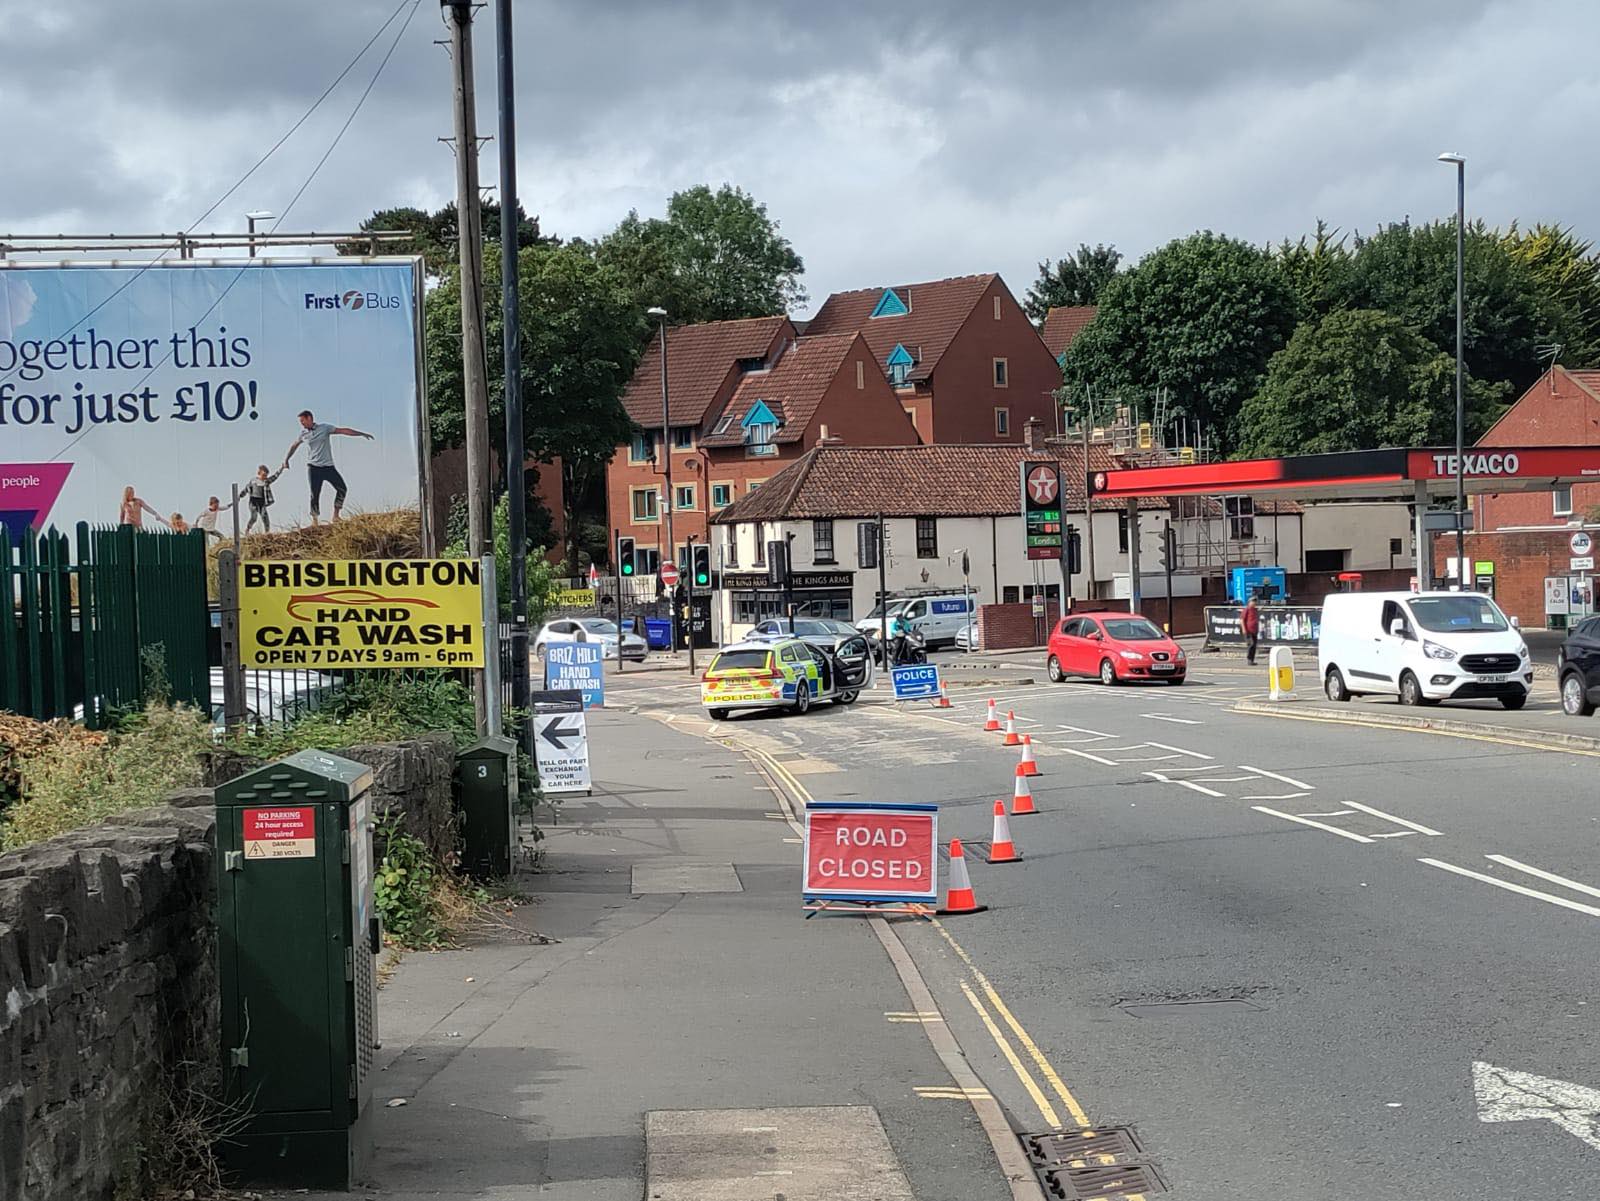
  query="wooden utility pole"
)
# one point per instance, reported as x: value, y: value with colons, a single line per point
x: 469, y: 228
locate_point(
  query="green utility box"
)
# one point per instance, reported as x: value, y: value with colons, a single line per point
x: 297, y: 935
x: 486, y: 797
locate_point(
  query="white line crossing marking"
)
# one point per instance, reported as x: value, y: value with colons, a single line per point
x: 1510, y: 887
x: 1275, y: 796
x: 1290, y: 780
x: 1400, y: 821
x: 1189, y: 784
x: 1086, y: 755
x: 1181, y: 721
x: 1306, y: 821
x: 1544, y: 875
x: 1194, y: 754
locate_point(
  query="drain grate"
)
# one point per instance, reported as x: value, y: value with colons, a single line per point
x: 1083, y: 1148
x: 1102, y: 1181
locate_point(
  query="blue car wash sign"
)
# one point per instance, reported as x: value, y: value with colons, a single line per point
x: 916, y: 682
x: 577, y: 666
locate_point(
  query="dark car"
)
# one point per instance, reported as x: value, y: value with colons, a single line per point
x: 1578, y: 668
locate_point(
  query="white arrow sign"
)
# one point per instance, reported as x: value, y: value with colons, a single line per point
x: 1507, y: 1096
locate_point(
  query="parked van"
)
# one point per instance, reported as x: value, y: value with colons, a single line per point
x: 939, y: 618
x: 1423, y: 647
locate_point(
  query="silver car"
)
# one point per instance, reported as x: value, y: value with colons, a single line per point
x: 589, y: 629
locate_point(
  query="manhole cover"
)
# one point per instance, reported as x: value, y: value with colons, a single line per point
x: 1083, y: 1148
x: 1090, y: 1183
x: 1197, y: 1008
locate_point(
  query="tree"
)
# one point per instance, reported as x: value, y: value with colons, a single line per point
x: 1077, y: 279
x: 1409, y: 271
x: 1199, y: 317
x: 435, y: 234
x: 1358, y: 379
x: 1567, y: 273
x: 581, y: 334
x: 716, y: 256
x: 1319, y: 271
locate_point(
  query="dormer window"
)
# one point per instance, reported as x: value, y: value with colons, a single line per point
x: 760, y: 426
x: 899, y: 364
x: 890, y: 304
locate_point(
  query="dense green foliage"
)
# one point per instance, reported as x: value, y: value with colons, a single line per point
x: 1078, y: 279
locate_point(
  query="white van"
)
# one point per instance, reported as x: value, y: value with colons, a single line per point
x: 940, y: 618
x: 1424, y: 647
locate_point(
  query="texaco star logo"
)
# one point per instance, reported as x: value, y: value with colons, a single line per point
x: 1099, y: 481
x: 1042, y: 485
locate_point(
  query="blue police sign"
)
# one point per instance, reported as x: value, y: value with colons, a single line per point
x: 576, y: 665
x: 916, y: 682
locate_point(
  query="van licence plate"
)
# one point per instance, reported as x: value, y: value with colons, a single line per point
x: 1491, y: 679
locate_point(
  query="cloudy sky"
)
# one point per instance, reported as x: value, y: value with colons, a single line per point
x: 894, y: 141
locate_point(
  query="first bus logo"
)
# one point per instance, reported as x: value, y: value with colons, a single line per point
x: 353, y: 299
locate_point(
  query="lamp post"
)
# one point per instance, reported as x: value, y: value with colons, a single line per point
x: 659, y: 315
x: 252, y: 218
x: 1461, y: 411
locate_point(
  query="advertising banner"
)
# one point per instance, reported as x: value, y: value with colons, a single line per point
x: 561, y: 741
x: 1291, y: 625
x: 307, y: 613
x: 576, y: 665
x: 136, y: 393
x: 871, y: 852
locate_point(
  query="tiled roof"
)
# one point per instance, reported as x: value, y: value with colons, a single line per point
x: 699, y: 360
x: 937, y: 312
x: 1587, y: 379
x: 792, y: 389
x: 915, y: 481
x: 1064, y: 323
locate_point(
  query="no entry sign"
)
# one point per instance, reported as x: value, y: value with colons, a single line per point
x: 871, y: 852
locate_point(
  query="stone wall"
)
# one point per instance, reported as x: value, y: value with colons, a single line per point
x: 108, y: 978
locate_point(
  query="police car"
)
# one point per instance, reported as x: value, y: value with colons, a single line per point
x: 782, y: 674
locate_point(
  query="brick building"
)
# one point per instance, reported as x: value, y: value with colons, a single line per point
x: 1528, y: 536
x: 963, y: 357
x: 746, y: 399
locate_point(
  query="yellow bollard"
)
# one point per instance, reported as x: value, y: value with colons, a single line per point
x: 1280, y: 674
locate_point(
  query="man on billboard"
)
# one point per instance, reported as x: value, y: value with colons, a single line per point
x: 317, y: 437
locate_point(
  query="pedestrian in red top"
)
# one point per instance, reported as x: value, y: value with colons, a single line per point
x: 1252, y: 627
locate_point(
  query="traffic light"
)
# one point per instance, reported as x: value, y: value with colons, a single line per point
x: 777, y: 563
x: 702, y: 566
x: 1169, y: 556
x: 625, y: 556
x: 1072, y: 550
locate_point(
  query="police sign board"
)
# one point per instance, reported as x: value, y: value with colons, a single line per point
x: 871, y: 852
x: 561, y: 741
x: 576, y: 665
x: 916, y: 682
x: 361, y: 613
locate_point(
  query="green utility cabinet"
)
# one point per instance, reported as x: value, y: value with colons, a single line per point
x: 486, y: 797
x: 297, y: 936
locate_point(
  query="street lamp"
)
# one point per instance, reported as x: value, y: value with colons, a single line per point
x: 252, y: 217
x: 1461, y: 411
x: 659, y: 315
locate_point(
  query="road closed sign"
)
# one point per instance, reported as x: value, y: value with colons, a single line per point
x: 561, y: 741
x: 871, y: 852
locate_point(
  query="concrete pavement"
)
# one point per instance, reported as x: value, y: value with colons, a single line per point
x: 686, y: 1028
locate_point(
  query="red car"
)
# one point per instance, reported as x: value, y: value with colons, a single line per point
x: 1116, y: 647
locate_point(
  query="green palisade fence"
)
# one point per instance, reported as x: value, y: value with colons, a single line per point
x: 79, y: 614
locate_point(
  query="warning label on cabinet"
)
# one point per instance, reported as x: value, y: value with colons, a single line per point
x: 280, y: 833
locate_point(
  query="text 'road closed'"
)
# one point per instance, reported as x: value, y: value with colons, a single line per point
x: 871, y: 852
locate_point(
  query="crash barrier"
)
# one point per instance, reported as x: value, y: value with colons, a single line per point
x: 1287, y: 625
x: 1280, y: 685
x: 86, y: 619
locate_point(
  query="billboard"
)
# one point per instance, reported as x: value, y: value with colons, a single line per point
x: 138, y: 392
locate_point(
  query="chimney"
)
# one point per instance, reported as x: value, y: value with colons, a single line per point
x: 1030, y: 433
x: 824, y: 439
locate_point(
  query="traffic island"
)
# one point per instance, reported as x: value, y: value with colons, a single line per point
x: 1532, y: 728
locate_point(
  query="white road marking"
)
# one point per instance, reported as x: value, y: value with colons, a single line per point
x: 1306, y: 821
x: 1400, y: 821
x: 1193, y: 754
x: 1086, y: 755
x: 1276, y: 796
x: 1544, y: 875
x: 1190, y: 784
x: 1182, y: 721
x: 1507, y: 1096
x: 1261, y: 771
x: 1510, y: 887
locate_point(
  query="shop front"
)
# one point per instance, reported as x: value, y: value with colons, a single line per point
x: 751, y: 598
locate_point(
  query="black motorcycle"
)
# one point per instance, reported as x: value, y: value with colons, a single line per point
x: 904, y: 649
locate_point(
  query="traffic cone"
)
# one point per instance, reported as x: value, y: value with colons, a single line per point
x: 1001, y: 848
x: 992, y: 722
x: 959, y: 898
x: 944, y: 699
x: 1028, y: 765
x: 1011, y: 738
x: 1022, y: 799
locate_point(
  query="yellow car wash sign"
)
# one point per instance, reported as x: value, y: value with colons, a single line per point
x: 361, y: 613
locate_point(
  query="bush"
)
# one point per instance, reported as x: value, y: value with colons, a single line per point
x: 376, y: 706
x: 77, y: 782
